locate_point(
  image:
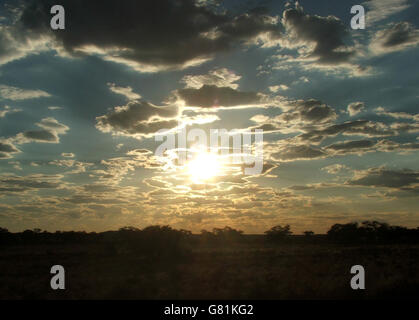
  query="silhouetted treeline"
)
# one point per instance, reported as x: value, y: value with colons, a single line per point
x: 156, y: 239
x: 370, y: 232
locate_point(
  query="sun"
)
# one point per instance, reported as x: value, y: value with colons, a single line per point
x: 205, y: 166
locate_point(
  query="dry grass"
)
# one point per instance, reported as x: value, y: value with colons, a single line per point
x: 246, y: 271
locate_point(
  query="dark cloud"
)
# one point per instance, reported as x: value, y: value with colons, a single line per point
x: 138, y: 118
x: 12, y: 183
x: 397, y: 36
x: 297, y: 115
x: 41, y: 136
x: 212, y: 96
x: 381, y: 177
x: 165, y: 34
x: 301, y: 152
x: 8, y: 148
x: 311, y: 110
x: 359, y: 127
x: 51, y: 129
x: 351, y: 146
x: 326, y: 33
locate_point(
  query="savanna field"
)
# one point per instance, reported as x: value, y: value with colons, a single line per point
x: 133, y: 265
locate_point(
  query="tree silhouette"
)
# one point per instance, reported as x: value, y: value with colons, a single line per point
x: 308, y: 233
x: 278, y: 233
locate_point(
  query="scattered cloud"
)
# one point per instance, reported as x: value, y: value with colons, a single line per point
x: 68, y: 155
x: 221, y: 77
x: 355, y: 107
x: 396, y: 37
x: 379, y: 10
x: 335, y: 168
x: 7, y: 150
x: 211, y: 96
x: 397, y: 115
x: 51, y: 129
x: 15, y: 94
x: 7, y: 110
x: 277, y: 88
x: 382, y: 177
x: 125, y: 91
x: 185, y: 33
x: 322, y: 37
x: 359, y: 127
x: 138, y: 119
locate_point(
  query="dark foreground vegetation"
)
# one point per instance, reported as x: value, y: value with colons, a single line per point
x: 159, y: 262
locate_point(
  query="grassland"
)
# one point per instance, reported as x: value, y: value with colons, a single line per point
x: 251, y: 269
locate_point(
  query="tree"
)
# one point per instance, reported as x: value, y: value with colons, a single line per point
x: 308, y: 233
x: 344, y: 232
x: 278, y: 232
x: 227, y: 233
x: 3, y: 230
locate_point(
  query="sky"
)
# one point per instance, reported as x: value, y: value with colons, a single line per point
x: 82, y: 111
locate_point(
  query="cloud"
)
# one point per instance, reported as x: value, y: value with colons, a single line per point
x: 14, y: 93
x: 78, y: 167
x: 323, y: 37
x: 51, y: 129
x: 52, y: 124
x: 281, y: 87
x: 125, y: 91
x: 346, y: 147
x: 39, y: 136
x: 209, y: 96
x: 138, y: 118
x: 397, y: 115
x: 68, y: 155
x: 221, y: 77
x: 335, y: 168
x: 308, y: 111
x: 297, y: 116
x: 382, y: 177
x: 382, y: 9
x: 396, y: 37
x: 6, y: 109
x: 54, y: 108
x: 297, y: 152
x: 355, y: 107
x: 17, y: 43
x: 13, y: 183
x: 7, y: 150
x: 360, y: 127
x: 151, y: 36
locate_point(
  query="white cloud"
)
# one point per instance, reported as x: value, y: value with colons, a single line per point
x: 125, y: 91
x: 355, y: 107
x: 222, y: 77
x: 281, y: 87
x: 67, y: 155
x: 14, y: 93
x: 6, y: 109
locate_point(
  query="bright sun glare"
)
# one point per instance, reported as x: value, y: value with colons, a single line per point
x: 203, y: 167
